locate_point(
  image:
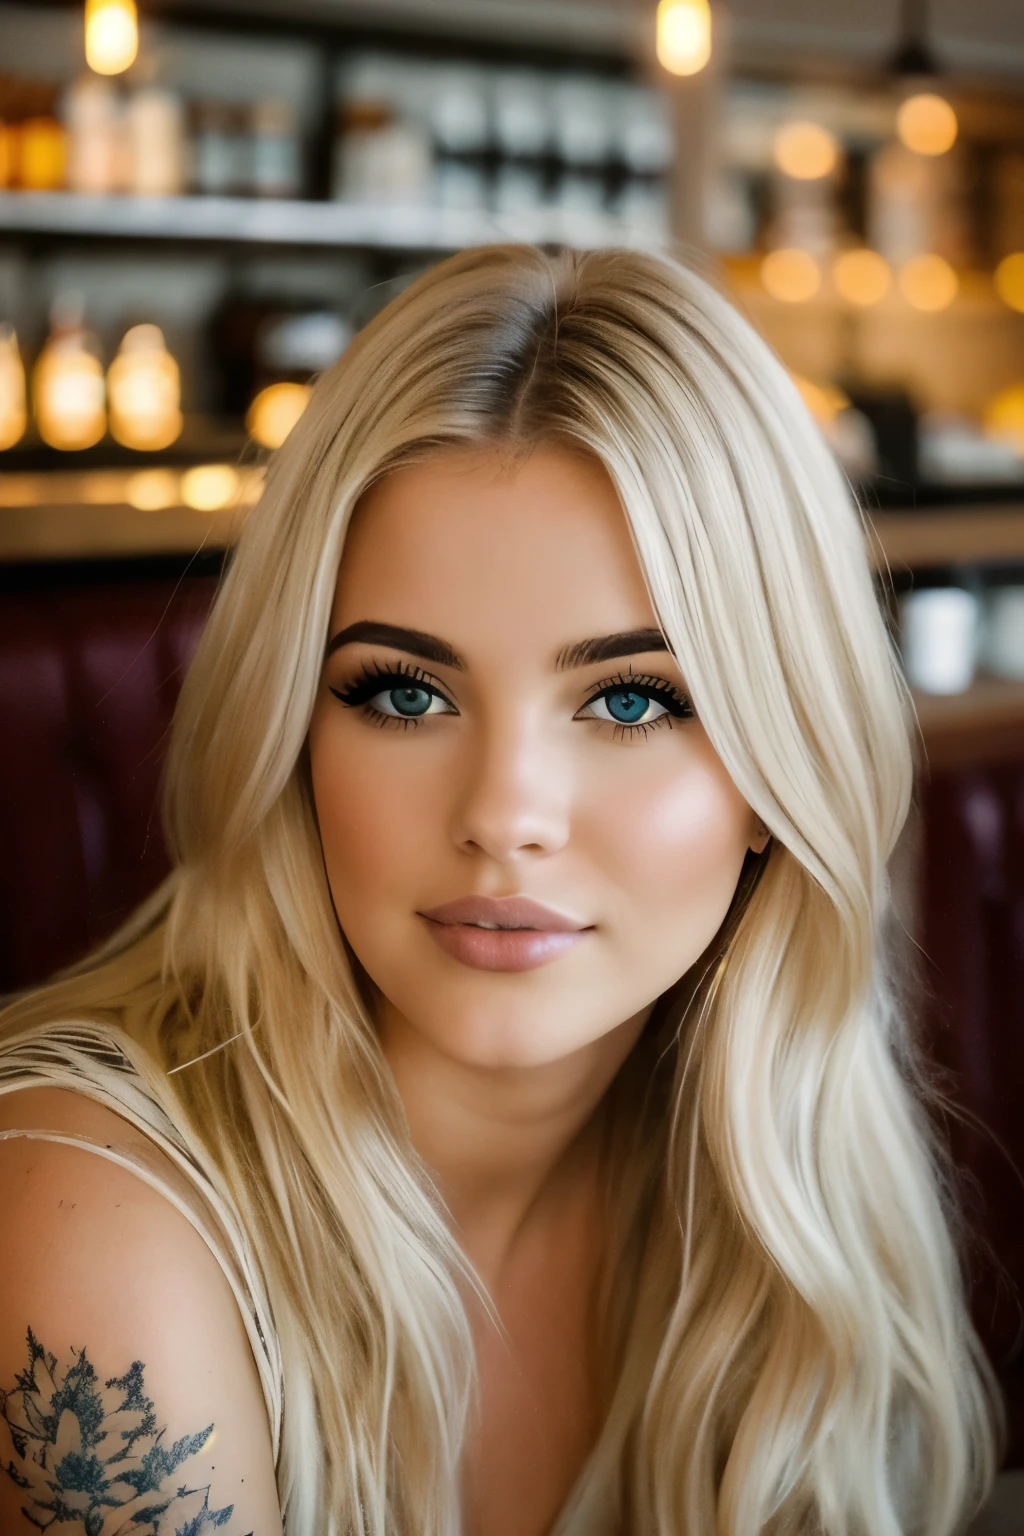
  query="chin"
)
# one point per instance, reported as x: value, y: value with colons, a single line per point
x: 498, y: 1039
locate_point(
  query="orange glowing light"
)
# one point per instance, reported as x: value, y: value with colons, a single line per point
x: 862, y: 277
x: 928, y: 283
x: 210, y: 487
x: 806, y: 151
x: 791, y: 275
x: 275, y: 411
x: 927, y: 124
x: 1009, y: 279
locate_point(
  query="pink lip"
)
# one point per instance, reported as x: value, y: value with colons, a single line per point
x: 528, y: 934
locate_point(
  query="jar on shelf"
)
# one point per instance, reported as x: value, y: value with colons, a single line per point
x: 144, y: 391
x: 96, y: 138
x: 214, y: 149
x: 13, y: 405
x: 41, y: 153
x: 380, y: 157
x: 68, y: 390
x: 276, y: 160
x: 155, y: 134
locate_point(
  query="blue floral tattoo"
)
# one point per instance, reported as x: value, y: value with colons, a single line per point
x: 91, y: 1455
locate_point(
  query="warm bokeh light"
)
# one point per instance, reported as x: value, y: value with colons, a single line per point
x: 861, y: 277
x: 209, y: 487
x: 1004, y: 417
x: 1009, y: 278
x: 68, y: 394
x: 151, y: 490
x: 927, y: 124
x: 791, y: 275
x: 111, y: 35
x: 683, y: 38
x: 275, y: 411
x: 929, y: 283
x: 13, y: 403
x: 144, y: 390
x: 806, y: 151
x: 824, y: 401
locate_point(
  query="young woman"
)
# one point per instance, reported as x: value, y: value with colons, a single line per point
x: 501, y: 1120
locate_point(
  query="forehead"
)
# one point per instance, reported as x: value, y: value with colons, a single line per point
x: 474, y: 546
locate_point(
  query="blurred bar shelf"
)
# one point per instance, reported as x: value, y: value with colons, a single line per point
x: 958, y: 535
x: 984, y: 724
x: 289, y: 222
x: 50, y: 514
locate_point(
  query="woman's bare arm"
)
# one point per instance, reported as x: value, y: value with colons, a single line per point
x: 129, y: 1398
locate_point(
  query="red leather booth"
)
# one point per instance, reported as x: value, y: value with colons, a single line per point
x: 89, y: 673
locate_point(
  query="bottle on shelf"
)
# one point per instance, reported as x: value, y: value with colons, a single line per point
x: 154, y: 129
x: 33, y: 142
x: 68, y: 391
x: 276, y: 159
x: 144, y: 391
x: 13, y: 404
x: 42, y: 153
x: 379, y: 157
x: 97, y: 150
x: 214, y: 149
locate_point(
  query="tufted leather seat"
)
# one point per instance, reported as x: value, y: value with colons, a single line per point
x: 88, y: 680
x: 973, y: 938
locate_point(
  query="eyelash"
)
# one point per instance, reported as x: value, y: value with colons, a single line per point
x: 676, y: 704
x: 375, y: 676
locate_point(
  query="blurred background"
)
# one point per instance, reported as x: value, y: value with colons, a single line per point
x: 201, y: 202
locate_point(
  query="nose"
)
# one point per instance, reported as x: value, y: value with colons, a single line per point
x: 516, y: 795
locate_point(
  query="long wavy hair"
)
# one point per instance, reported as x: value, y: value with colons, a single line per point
x: 786, y: 1342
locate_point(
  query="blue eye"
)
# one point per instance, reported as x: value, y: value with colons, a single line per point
x: 626, y: 706
x: 636, y: 703
x: 410, y: 702
x: 394, y: 693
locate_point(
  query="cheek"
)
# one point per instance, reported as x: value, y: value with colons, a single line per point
x: 377, y: 821
x: 673, y: 847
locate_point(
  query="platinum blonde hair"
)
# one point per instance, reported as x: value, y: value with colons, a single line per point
x: 788, y: 1348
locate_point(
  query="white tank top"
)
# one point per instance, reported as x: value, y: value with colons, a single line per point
x: 96, y: 1060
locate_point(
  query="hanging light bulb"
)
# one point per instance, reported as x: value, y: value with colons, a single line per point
x: 144, y: 390
x: 68, y: 393
x: 13, y: 410
x: 111, y: 35
x: 683, y: 35
x: 926, y: 123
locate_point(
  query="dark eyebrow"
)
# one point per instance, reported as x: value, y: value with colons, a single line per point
x: 429, y: 647
x: 605, y: 647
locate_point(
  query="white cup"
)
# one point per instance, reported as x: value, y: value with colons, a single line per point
x: 1004, y: 632
x: 939, y: 635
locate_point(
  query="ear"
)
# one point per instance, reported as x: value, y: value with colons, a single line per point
x: 760, y: 837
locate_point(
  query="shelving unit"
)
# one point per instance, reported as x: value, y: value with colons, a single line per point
x: 294, y: 223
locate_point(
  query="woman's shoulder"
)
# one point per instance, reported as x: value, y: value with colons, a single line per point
x: 126, y: 1377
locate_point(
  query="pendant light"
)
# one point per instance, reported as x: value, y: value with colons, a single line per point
x: 925, y: 121
x: 683, y: 35
x: 111, y: 35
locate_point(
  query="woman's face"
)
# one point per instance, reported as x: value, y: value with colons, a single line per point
x: 527, y: 834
